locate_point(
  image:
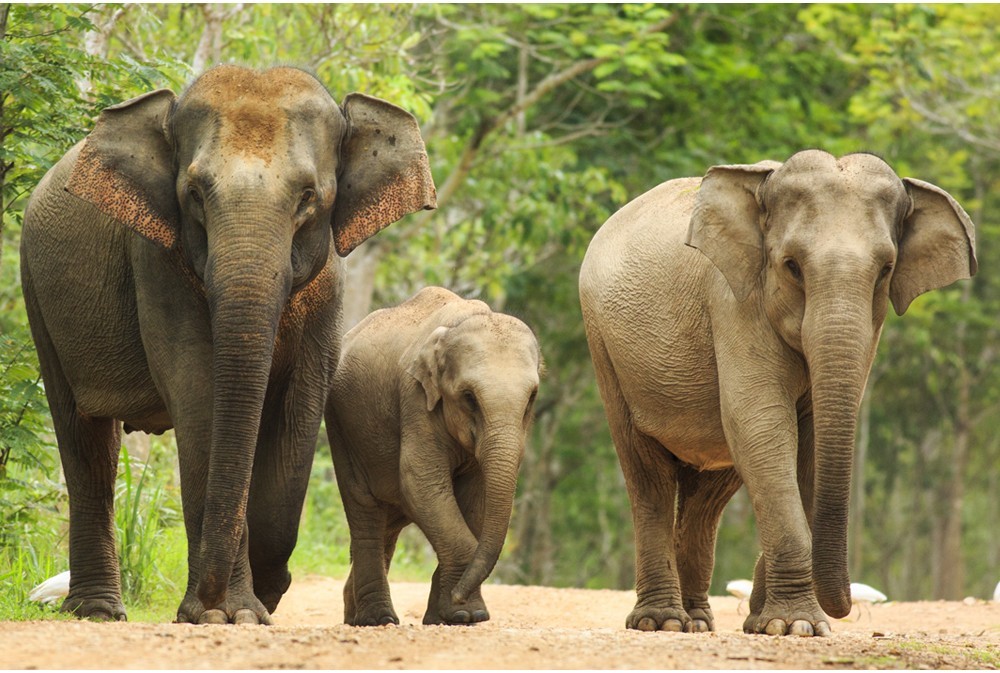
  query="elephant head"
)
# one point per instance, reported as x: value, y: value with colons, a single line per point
x: 823, y: 245
x: 481, y: 375
x: 245, y: 179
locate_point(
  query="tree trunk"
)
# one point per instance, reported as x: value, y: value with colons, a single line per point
x: 96, y: 44
x: 209, y: 51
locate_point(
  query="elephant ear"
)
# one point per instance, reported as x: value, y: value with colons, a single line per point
x: 385, y: 172
x: 126, y: 167
x: 426, y: 366
x: 726, y: 222
x: 937, y: 244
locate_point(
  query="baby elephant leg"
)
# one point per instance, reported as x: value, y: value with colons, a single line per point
x: 469, y: 497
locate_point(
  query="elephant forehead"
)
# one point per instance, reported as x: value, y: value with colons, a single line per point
x: 252, y: 106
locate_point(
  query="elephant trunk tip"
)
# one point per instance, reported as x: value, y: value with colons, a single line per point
x: 836, y: 606
x: 212, y: 590
x: 474, y: 575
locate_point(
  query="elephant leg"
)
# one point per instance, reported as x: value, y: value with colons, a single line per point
x: 286, y: 444
x: 372, y: 524
x: 427, y: 487
x: 701, y: 498
x: 393, y: 530
x: 764, y: 446
x: 470, y: 495
x: 806, y: 480
x: 88, y: 449
x: 651, y: 478
x: 240, y: 606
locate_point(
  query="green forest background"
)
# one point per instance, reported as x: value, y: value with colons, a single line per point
x: 541, y: 121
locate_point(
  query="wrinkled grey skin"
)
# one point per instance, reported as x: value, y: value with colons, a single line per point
x: 427, y: 419
x: 744, y: 358
x: 180, y: 270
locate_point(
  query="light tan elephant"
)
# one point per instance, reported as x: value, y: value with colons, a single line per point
x: 428, y: 415
x: 743, y: 355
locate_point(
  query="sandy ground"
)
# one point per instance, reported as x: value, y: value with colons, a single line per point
x: 531, y: 627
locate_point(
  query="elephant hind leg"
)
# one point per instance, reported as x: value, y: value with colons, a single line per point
x: 88, y: 448
x: 702, y: 496
x: 651, y: 478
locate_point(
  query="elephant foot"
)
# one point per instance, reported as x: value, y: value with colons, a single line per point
x: 236, y: 609
x: 471, y: 611
x: 794, y: 622
x: 461, y: 616
x: 702, y: 619
x: 374, y: 614
x: 648, y: 617
x: 97, y: 609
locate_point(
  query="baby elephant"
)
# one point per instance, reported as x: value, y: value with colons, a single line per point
x: 427, y: 418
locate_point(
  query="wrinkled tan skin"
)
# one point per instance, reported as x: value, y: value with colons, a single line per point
x: 180, y: 271
x: 744, y: 359
x: 427, y: 419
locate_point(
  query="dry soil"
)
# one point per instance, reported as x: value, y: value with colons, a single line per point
x: 531, y: 628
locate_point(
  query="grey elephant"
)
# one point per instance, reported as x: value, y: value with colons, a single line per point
x: 743, y: 356
x: 180, y: 269
x: 427, y: 420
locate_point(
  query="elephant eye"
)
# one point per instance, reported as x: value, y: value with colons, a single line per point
x: 307, y: 198
x: 793, y: 268
x: 195, y: 194
x: 883, y: 274
x: 469, y: 398
x: 531, y: 402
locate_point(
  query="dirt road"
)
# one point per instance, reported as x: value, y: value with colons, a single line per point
x: 532, y: 627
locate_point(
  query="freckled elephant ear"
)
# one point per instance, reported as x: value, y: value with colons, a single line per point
x: 386, y: 174
x: 126, y: 169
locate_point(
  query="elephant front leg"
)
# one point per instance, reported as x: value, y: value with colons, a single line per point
x: 764, y: 444
x: 240, y: 605
x: 702, y: 496
x: 427, y: 489
x: 470, y: 496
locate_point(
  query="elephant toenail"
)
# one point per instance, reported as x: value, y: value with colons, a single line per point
x: 245, y: 617
x: 800, y: 627
x: 646, y: 624
x: 673, y: 625
x: 213, y: 617
x: 776, y: 627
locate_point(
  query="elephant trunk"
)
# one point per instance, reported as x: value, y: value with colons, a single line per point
x: 247, y: 285
x: 838, y: 345
x: 500, y: 458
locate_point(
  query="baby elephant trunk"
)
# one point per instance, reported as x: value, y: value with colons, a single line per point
x: 500, y: 459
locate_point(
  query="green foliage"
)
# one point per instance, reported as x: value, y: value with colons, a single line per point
x: 541, y: 121
x: 147, y: 505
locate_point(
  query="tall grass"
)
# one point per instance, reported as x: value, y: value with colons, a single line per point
x: 145, y: 509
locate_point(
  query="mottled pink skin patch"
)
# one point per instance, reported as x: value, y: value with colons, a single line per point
x: 116, y: 195
x: 405, y: 194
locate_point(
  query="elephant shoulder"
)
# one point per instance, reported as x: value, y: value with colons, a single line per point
x: 647, y: 233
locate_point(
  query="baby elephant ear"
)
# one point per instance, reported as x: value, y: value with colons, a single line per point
x: 725, y: 223
x: 427, y: 364
x: 385, y: 171
x: 937, y: 245
x: 126, y: 167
